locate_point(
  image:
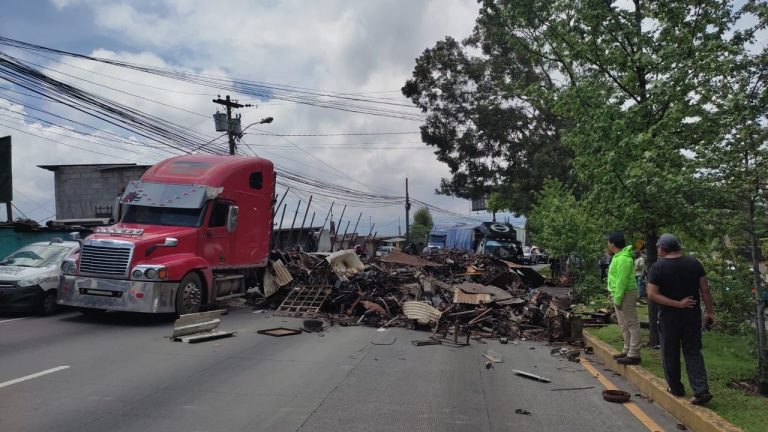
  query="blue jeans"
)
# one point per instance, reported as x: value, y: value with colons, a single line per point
x: 640, y: 286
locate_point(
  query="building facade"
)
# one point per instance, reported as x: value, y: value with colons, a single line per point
x: 90, y: 191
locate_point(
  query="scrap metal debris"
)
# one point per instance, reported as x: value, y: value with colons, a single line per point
x: 531, y: 376
x: 199, y: 327
x: 279, y: 332
x: 456, y: 295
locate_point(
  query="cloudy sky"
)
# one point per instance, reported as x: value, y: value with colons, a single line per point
x: 362, y: 47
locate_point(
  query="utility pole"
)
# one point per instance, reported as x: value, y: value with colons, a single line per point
x: 230, y: 129
x: 407, y: 211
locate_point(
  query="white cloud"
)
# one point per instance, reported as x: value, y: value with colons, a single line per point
x: 334, y: 45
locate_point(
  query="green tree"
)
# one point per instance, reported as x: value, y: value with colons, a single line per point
x: 422, y: 224
x: 566, y: 227
x: 488, y: 120
x: 736, y: 169
x: 636, y: 88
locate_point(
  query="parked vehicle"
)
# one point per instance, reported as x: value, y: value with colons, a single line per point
x: 527, y: 255
x: 29, y: 277
x: 539, y: 255
x: 384, y: 250
x: 195, y: 229
x: 492, y: 238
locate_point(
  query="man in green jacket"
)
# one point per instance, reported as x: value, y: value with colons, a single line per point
x: 623, y: 292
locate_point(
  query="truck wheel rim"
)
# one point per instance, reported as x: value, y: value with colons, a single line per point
x: 191, y: 296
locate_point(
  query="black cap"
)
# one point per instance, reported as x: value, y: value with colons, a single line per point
x: 668, y: 242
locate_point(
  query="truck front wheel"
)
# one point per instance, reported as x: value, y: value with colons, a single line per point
x: 189, y: 295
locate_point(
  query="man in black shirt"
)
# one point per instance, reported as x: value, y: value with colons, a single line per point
x: 678, y: 284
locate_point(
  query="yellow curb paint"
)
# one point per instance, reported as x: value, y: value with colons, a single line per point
x: 631, y: 406
x: 695, y: 418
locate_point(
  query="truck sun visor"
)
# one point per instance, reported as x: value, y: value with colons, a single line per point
x: 168, y: 195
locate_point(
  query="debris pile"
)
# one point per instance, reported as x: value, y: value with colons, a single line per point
x: 454, y: 294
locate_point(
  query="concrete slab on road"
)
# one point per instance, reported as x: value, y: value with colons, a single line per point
x: 125, y: 375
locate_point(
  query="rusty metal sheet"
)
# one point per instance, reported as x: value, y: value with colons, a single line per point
x: 460, y: 296
x: 530, y: 277
x: 397, y: 257
x: 282, y: 276
x: 474, y: 288
x: 421, y: 312
x: 270, y: 286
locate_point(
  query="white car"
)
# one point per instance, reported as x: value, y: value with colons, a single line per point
x: 29, y: 277
x: 384, y: 250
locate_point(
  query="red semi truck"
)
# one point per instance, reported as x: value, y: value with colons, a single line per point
x: 195, y: 229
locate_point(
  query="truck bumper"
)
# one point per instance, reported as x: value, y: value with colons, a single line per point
x: 122, y: 295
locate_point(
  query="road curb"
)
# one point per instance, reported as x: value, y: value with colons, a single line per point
x: 695, y: 418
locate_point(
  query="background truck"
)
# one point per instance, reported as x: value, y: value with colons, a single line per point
x: 195, y: 229
x: 491, y: 238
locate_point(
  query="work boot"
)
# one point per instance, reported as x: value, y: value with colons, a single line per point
x: 619, y: 355
x: 629, y: 360
x: 701, y: 399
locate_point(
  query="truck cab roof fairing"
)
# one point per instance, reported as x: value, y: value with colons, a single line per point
x: 209, y: 170
x: 168, y: 195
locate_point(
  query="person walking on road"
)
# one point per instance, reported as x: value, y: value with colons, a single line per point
x: 640, y: 269
x: 623, y: 290
x: 678, y: 283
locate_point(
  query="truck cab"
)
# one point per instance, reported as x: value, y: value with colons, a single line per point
x: 500, y: 240
x: 195, y: 229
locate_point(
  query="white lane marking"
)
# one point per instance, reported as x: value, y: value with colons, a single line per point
x: 14, y: 319
x: 29, y: 377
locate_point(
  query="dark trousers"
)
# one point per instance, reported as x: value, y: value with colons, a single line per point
x: 683, y: 331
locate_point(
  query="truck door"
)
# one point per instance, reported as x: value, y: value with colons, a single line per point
x: 217, y: 244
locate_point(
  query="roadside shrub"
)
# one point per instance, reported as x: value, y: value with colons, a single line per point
x: 731, y: 285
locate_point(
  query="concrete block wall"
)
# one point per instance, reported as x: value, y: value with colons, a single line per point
x: 80, y: 189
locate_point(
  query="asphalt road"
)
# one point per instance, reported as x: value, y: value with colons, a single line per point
x: 120, y: 372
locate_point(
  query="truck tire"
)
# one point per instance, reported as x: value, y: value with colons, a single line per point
x: 189, y: 296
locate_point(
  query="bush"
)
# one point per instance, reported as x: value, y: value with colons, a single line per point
x: 731, y: 285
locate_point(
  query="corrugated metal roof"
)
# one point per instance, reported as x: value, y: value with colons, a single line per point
x: 282, y: 276
x: 460, y: 296
x: 421, y: 312
x: 397, y: 257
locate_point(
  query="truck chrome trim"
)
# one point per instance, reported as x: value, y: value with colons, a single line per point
x: 129, y: 296
x: 105, y: 257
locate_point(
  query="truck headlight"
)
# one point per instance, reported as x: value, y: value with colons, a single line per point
x: 68, y: 268
x: 149, y: 272
x: 34, y: 280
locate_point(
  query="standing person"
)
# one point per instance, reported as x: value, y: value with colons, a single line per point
x: 623, y: 289
x: 678, y: 283
x: 604, y: 262
x: 640, y: 269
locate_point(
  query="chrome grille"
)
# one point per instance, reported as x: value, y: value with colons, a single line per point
x: 105, y: 259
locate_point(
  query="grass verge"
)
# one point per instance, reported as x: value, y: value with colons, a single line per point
x: 728, y: 358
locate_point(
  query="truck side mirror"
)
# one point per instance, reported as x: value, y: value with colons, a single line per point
x: 232, y: 218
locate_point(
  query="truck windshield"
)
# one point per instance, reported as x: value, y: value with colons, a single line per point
x: 436, y: 239
x: 169, y: 216
x: 500, y: 249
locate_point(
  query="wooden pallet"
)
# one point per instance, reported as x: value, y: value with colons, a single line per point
x: 304, y: 301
